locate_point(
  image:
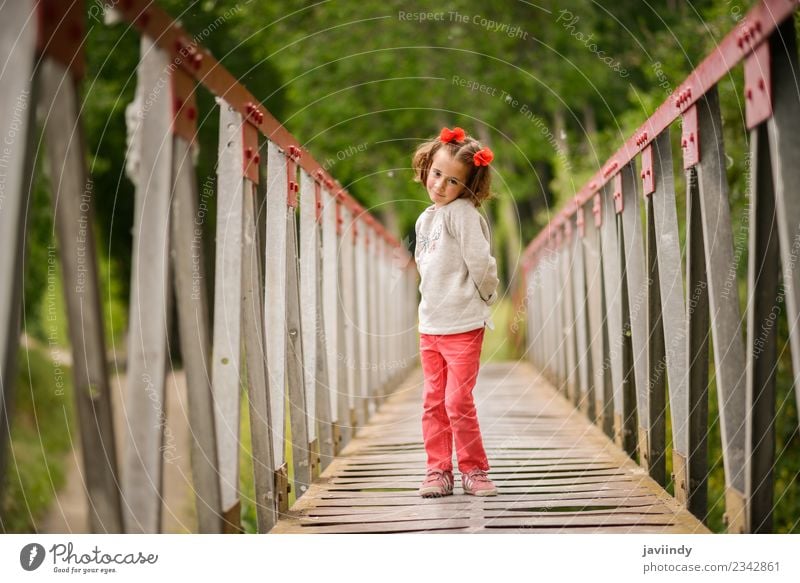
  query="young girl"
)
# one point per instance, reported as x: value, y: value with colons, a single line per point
x: 458, y: 284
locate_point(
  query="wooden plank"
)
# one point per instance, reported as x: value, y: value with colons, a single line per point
x: 226, y: 381
x: 150, y: 304
x: 351, y: 507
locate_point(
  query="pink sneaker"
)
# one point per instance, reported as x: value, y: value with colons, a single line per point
x: 477, y: 483
x: 437, y: 483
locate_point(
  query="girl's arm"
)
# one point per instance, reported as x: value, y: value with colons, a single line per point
x: 472, y: 233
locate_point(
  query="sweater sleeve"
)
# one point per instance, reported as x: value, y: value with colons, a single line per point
x: 469, y: 228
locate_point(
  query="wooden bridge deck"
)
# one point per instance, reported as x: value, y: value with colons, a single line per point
x: 555, y: 471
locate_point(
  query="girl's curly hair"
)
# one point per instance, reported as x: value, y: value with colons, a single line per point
x: 478, y: 186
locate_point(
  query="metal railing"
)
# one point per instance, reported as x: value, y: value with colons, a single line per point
x: 323, y: 328
x: 613, y: 316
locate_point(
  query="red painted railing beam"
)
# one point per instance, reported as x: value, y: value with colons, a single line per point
x: 151, y: 20
x: 761, y: 21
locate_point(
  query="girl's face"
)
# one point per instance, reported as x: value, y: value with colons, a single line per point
x: 446, y: 178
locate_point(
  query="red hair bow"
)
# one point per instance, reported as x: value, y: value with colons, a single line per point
x: 482, y: 157
x: 448, y: 135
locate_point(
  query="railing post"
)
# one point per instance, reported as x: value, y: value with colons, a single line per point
x: 585, y: 396
x: 762, y: 309
x: 632, y: 240
x: 724, y: 304
x: 568, y: 310
x: 150, y: 303
x: 188, y: 264
x: 298, y: 412
x: 330, y: 290
x: 784, y: 141
x: 73, y: 203
x: 362, y: 308
x: 774, y: 230
x: 614, y: 285
x: 18, y: 94
x: 630, y: 420
x: 694, y: 470
x: 226, y: 356
x: 349, y: 301
x: 239, y: 318
x: 598, y: 336
x: 309, y: 310
x: 275, y: 308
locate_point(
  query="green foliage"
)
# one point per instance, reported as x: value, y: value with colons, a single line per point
x: 42, y: 438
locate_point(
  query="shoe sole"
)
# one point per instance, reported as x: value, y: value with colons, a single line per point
x: 481, y: 493
x: 434, y: 494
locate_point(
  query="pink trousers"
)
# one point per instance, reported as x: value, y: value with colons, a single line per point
x: 450, y: 364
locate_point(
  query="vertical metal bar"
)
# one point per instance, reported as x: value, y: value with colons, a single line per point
x: 784, y: 142
x: 349, y: 319
x: 762, y: 313
x: 309, y: 307
x: 601, y: 382
x: 363, y: 329
x: 262, y: 430
x: 330, y: 287
x: 18, y: 94
x: 380, y: 304
x: 673, y: 309
x: 691, y: 475
x: 226, y: 351
x: 372, y: 278
x: 656, y: 358
x: 298, y: 413
x: 724, y: 303
x: 73, y: 200
x: 613, y: 286
x: 150, y: 304
x: 560, y: 309
x: 585, y: 397
x: 630, y: 421
x: 275, y: 298
x: 195, y: 339
x: 343, y: 399
x: 566, y: 266
x: 636, y: 278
